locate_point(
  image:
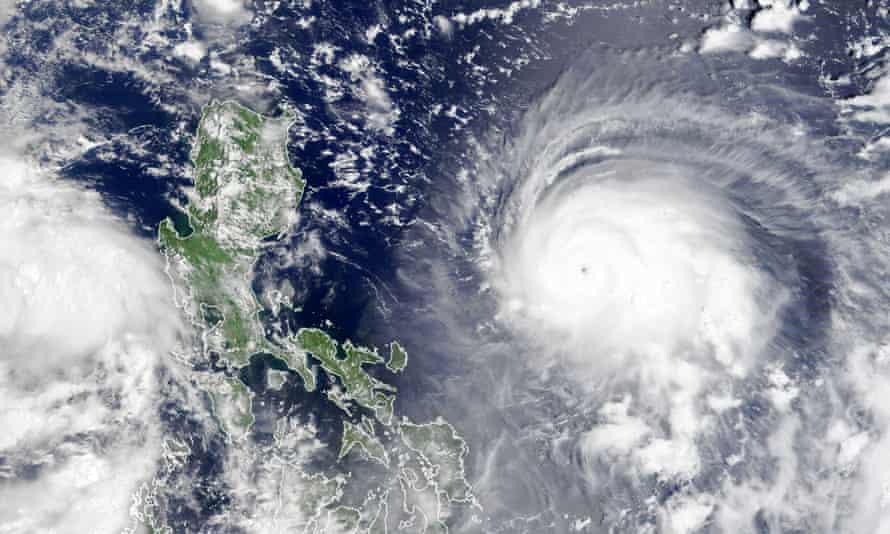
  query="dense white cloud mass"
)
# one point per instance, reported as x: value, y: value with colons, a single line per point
x: 87, y: 318
x: 7, y: 9
x: 644, y: 255
x: 223, y: 11
x: 776, y: 16
x: 632, y: 269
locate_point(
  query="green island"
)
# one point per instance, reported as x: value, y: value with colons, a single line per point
x: 364, y: 436
x: 398, y: 358
x: 246, y: 194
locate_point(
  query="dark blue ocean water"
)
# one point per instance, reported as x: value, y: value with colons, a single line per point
x: 143, y: 167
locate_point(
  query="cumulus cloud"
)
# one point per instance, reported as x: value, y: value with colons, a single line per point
x: 223, y: 11
x: 728, y: 37
x: 504, y: 14
x: 738, y: 34
x: 445, y: 26
x: 381, y: 111
x: 87, y: 320
x: 193, y: 51
x: 776, y: 16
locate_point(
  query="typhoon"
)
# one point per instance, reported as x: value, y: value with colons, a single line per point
x: 682, y: 325
x: 468, y: 267
x: 86, y: 326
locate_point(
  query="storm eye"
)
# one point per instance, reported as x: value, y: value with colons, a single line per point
x: 667, y: 251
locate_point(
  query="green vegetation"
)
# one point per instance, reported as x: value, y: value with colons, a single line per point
x: 232, y: 403
x: 245, y: 192
x: 199, y: 249
x: 210, y: 152
x: 363, y: 436
x: 442, y: 452
x: 398, y: 358
x: 359, y: 386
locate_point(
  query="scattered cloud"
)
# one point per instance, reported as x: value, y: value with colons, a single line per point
x: 504, y: 14
x: 382, y: 113
x: 737, y: 33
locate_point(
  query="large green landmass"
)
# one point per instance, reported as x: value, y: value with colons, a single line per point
x: 246, y: 194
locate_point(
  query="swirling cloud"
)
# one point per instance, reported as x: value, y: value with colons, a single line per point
x: 679, y: 260
x: 87, y: 319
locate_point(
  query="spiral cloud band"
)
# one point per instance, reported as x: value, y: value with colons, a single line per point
x: 682, y: 260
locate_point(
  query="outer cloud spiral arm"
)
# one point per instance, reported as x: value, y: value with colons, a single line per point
x: 657, y: 245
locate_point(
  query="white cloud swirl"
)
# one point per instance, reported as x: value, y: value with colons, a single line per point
x: 678, y: 257
x: 87, y: 319
x: 628, y: 258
